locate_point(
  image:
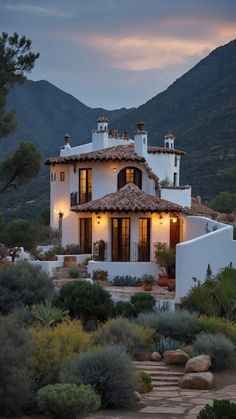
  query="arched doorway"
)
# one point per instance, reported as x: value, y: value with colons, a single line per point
x: 174, y: 231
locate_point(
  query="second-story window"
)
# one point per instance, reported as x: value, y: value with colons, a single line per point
x: 85, y: 185
x: 62, y: 176
x: 130, y: 175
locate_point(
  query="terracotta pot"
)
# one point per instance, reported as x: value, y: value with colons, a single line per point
x: 52, y: 258
x: 163, y: 281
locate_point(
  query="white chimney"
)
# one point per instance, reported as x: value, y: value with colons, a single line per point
x: 140, y: 140
x: 100, y: 136
x: 169, y: 141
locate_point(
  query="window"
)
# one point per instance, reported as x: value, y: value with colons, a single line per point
x: 55, y: 176
x: 130, y: 175
x: 51, y: 177
x: 175, y: 179
x: 62, y: 176
x: 121, y: 239
x: 144, y: 240
x: 85, y: 185
x: 176, y: 161
x: 86, y: 235
x: 73, y: 199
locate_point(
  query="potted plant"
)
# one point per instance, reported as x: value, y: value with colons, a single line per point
x: 148, y: 282
x: 99, y: 250
x: 165, y: 257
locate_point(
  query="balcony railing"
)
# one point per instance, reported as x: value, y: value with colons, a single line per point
x: 132, y: 252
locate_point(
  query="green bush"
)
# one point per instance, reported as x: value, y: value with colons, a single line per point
x: 85, y: 301
x: 16, y: 386
x: 143, y: 302
x: 47, y: 314
x: 110, y: 373
x: 215, y: 297
x: 123, y: 281
x: 167, y: 344
x: 165, y: 257
x: 218, y: 347
x: 74, y: 272
x: 180, y: 325
x: 216, y: 325
x: 23, y: 284
x: 100, y: 275
x: 67, y: 401
x: 135, y: 339
x: 221, y: 409
x: 124, y: 309
x: 73, y: 249
x: 144, y: 382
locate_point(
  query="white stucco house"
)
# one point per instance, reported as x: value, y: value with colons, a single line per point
x: 128, y: 194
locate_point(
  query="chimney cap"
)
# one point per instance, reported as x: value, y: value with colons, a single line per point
x: 169, y: 136
x: 67, y: 136
x: 140, y: 126
x: 102, y: 119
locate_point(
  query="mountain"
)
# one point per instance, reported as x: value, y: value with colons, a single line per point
x: 200, y: 109
x: 44, y: 114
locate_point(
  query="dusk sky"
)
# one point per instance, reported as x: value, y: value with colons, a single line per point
x: 115, y: 53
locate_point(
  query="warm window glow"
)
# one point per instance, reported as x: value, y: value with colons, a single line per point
x: 129, y: 175
x: 85, y: 185
x: 62, y: 176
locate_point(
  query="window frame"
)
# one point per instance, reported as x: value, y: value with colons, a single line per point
x: 122, y: 177
x: 87, y: 193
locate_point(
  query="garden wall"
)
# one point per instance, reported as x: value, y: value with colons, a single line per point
x: 124, y: 268
x: 192, y: 256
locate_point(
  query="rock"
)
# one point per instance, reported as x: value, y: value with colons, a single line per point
x: 199, y: 363
x: 197, y: 381
x: 137, y: 396
x: 188, y: 349
x: 177, y: 356
x: 156, y: 357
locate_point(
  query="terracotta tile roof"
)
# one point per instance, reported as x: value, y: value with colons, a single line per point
x: 119, y: 152
x: 130, y: 198
x: 199, y: 209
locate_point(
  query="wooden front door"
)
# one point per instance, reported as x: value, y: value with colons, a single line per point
x: 120, y: 239
x: 174, y: 231
x: 86, y: 235
x: 144, y: 240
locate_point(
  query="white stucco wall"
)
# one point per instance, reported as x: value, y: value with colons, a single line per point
x: 124, y: 268
x: 178, y: 196
x: 80, y: 149
x: 163, y: 165
x: 192, y: 257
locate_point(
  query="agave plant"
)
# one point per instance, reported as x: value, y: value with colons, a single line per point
x: 166, y: 344
x: 47, y: 314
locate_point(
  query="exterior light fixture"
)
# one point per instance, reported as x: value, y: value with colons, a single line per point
x: 161, y: 219
x: 174, y: 219
x: 98, y: 219
x: 114, y: 169
x: 60, y: 214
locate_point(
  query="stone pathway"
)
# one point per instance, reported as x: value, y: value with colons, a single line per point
x: 124, y: 293
x: 168, y: 400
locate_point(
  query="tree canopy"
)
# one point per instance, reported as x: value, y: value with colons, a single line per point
x: 16, y: 59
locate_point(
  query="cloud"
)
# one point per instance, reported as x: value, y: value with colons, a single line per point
x: 38, y: 10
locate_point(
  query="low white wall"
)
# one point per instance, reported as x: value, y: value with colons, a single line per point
x: 124, y: 268
x: 192, y: 257
x: 79, y: 258
x: 195, y: 226
x: 178, y: 196
x: 46, y: 265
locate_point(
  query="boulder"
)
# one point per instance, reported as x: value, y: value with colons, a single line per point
x: 137, y: 396
x: 156, y: 357
x: 199, y: 363
x: 177, y: 356
x: 197, y: 381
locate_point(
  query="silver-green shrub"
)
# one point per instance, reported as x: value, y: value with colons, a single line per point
x: 218, y: 347
x: 110, y: 373
x: 180, y: 325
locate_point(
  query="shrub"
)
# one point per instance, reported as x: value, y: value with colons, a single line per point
x: 86, y: 301
x: 74, y: 272
x: 47, y: 314
x: 15, y: 382
x: 143, y: 302
x: 23, y: 284
x: 110, y: 373
x: 147, y: 279
x: 124, y: 309
x: 180, y: 325
x: 218, y: 347
x: 165, y: 257
x: 135, y: 339
x: 166, y: 344
x: 216, y: 296
x: 100, y: 275
x: 144, y: 382
x: 53, y: 348
x: 73, y: 249
x: 123, y: 281
x: 221, y: 409
x: 216, y: 325
x: 67, y: 401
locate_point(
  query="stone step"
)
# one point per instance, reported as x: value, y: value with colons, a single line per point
x: 164, y: 373
x: 157, y: 389
x: 165, y: 384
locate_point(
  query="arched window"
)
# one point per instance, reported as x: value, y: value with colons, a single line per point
x: 130, y: 175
